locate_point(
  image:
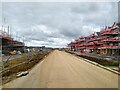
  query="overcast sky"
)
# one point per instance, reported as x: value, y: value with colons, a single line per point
x: 56, y: 24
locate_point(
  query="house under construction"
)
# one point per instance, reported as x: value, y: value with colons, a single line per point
x: 8, y: 43
x: 105, y: 42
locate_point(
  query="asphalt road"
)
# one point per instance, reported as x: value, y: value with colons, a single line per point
x: 63, y: 70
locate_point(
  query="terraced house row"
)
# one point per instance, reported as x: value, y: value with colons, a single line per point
x: 106, y: 42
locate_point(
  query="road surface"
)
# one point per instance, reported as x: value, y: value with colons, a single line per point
x: 63, y: 70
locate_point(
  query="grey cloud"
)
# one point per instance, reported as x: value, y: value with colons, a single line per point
x: 86, y: 8
x: 97, y: 13
x: 0, y: 13
x: 64, y: 21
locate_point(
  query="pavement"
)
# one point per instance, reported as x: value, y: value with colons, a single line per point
x: 63, y: 70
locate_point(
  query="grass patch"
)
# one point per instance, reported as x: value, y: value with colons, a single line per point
x: 100, y: 61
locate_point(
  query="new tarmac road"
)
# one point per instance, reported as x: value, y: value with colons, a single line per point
x: 63, y: 70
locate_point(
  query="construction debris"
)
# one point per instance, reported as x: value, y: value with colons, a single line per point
x: 24, y: 73
x: 17, y: 68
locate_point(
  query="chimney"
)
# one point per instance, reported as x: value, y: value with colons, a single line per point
x: 105, y: 27
x: 8, y: 29
x: 113, y: 24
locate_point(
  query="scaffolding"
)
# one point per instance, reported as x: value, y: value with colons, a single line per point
x: 9, y: 44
